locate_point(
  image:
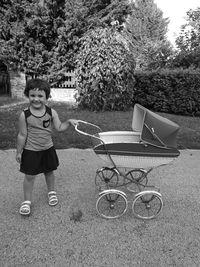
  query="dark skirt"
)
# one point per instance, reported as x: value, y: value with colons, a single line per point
x: 35, y: 162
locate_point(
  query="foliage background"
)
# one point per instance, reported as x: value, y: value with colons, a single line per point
x: 47, y: 38
x: 171, y: 91
x: 104, y: 71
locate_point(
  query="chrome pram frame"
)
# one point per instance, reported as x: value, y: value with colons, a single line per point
x: 116, y: 181
x: 112, y: 201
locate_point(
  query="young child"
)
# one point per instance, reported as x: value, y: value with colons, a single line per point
x: 35, y: 151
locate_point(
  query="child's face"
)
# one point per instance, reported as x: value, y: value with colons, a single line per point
x: 37, y: 98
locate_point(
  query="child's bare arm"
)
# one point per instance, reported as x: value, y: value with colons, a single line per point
x: 62, y: 126
x: 21, y: 137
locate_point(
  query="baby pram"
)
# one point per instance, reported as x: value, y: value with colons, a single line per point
x: 130, y: 156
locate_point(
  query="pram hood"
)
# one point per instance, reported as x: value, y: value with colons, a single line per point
x: 155, y: 129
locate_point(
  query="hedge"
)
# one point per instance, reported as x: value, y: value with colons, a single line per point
x: 170, y: 91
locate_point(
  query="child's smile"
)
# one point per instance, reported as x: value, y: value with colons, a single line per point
x: 37, y: 98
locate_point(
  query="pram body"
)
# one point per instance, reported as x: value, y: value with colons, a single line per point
x: 151, y: 143
x: 136, y: 155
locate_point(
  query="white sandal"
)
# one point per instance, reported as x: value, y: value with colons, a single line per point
x: 53, y: 200
x: 25, y: 208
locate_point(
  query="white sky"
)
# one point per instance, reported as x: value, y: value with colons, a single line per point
x: 176, y: 10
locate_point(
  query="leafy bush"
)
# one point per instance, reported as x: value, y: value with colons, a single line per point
x: 104, y: 72
x: 171, y: 91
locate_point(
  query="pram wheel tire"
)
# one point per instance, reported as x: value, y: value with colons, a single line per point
x: 147, y: 205
x: 136, y: 180
x: 106, y: 177
x: 111, y: 204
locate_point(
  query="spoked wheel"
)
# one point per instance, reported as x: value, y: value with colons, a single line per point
x: 135, y: 180
x: 106, y: 177
x: 147, y: 205
x: 111, y: 204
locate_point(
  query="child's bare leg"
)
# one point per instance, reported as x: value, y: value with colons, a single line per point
x: 28, y: 186
x: 25, y: 208
x: 50, y: 181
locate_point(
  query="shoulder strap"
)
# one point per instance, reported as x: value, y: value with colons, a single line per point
x: 49, y: 111
x: 27, y: 113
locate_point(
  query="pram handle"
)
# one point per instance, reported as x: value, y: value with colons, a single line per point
x: 84, y: 133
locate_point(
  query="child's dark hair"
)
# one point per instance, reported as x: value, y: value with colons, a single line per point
x: 37, y: 84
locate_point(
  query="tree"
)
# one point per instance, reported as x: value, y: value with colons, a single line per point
x: 45, y: 35
x: 11, y: 21
x: 105, y: 71
x: 107, y: 11
x: 188, y: 42
x: 145, y: 31
x: 190, y: 31
x: 80, y: 17
x: 39, y: 36
x: 30, y: 29
x: 67, y: 43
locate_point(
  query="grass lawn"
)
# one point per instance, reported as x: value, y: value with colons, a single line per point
x: 188, y: 136
x: 5, y: 100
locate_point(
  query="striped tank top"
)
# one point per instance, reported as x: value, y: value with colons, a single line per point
x: 39, y: 130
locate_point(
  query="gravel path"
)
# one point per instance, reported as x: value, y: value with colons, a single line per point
x: 49, y: 238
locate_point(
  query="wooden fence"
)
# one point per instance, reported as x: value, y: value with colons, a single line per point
x: 69, y: 81
x: 63, y: 91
